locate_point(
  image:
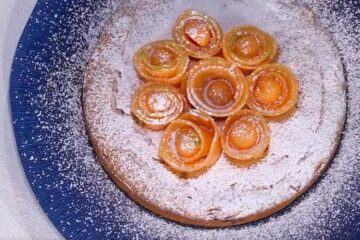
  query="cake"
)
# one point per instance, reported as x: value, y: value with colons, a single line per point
x: 226, y: 194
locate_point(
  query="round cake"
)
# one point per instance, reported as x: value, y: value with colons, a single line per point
x: 226, y: 194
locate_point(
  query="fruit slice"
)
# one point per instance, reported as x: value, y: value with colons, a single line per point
x: 190, y: 143
x: 161, y: 61
x: 273, y: 90
x: 216, y: 87
x: 245, y: 136
x: 199, y: 34
x: 157, y: 104
x: 248, y: 47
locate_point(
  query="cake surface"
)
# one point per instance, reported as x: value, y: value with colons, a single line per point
x: 300, y: 148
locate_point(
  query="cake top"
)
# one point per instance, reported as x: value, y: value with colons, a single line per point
x: 300, y: 147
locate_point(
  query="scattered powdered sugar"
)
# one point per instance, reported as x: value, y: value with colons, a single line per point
x: 300, y: 147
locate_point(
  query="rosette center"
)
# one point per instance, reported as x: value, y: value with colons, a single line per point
x: 161, y: 56
x: 247, y: 46
x: 243, y: 134
x: 198, y: 32
x: 188, y: 142
x: 219, y: 92
x: 268, y: 89
x: 158, y: 101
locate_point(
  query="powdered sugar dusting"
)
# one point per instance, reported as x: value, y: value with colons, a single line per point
x: 300, y: 147
x: 317, y: 121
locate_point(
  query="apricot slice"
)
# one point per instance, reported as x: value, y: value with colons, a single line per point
x: 157, y: 104
x: 161, y: 61
x: 249, y: 47
x: 245, y: 136
x: 216, y: 87
x: 190, y: 143
x: 199, y: 34
x: 273, y: 90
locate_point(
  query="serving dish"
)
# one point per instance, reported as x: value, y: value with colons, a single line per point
x: 76, y: 193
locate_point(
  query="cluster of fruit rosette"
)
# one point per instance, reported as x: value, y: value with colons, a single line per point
x: 204, y: 80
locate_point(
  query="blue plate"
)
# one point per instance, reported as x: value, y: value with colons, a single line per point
x: 71, y: 187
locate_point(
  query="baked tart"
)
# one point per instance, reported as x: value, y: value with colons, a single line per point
x: 299, y: 149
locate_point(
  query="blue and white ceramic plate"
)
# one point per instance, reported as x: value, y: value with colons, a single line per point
x: 76, y: 193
